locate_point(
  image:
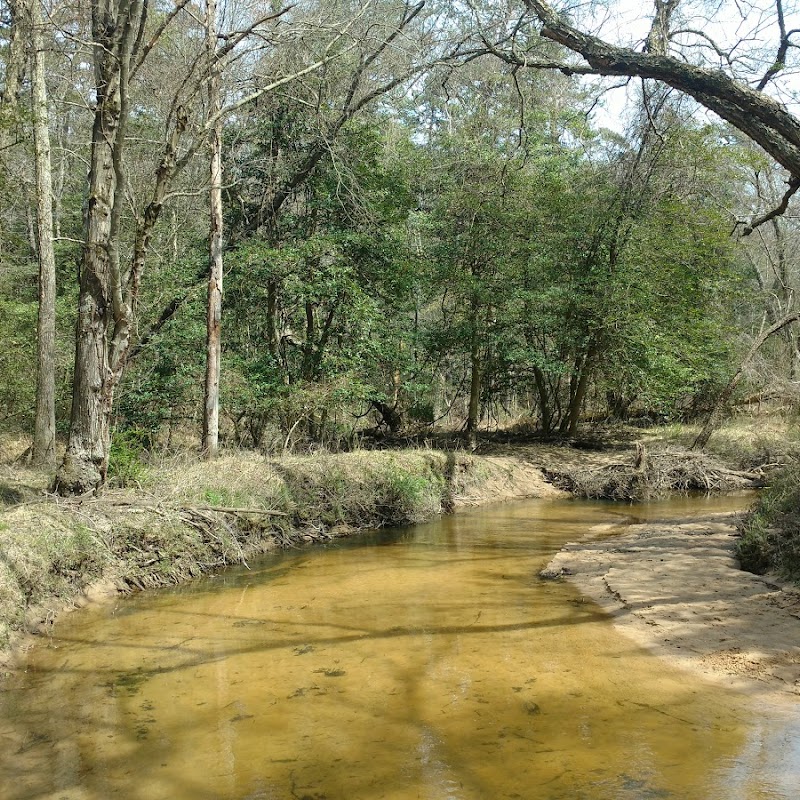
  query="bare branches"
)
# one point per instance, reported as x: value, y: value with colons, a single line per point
x: 794, y: 185
x: 165, y: 23
x: 783, y: 48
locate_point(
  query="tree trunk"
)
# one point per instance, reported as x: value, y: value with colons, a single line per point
x: 579, y: 393
x: 214, y: 303
x: 545, y: 411
x: 725, y: 395
x: 43, y: 452
x: 104, y: 314
x: 15, y: 55
x: 476, y: 379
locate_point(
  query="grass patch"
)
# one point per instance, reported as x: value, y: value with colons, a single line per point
x: 365, y: 489
x: 746, y: 442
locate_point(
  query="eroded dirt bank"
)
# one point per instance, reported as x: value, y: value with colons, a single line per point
x: 192, y: 518
x: 677, y: 589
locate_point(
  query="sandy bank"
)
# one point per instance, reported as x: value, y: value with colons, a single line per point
x: 677, y: 589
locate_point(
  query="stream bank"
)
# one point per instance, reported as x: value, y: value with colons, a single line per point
x: 185, y: 518
x: 677, y: 589
x: 182, y: 518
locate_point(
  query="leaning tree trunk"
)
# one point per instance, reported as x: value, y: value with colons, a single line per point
x: 45, y: 423
x: 210, y: 445
x: 725, y: 395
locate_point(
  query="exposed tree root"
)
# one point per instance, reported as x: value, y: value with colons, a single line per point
x: 653, y: 474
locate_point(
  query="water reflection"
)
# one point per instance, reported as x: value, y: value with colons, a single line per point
x: 425, y: 663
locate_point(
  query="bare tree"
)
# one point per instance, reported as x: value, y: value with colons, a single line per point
x: 210, y: 443
x: 43, y: 451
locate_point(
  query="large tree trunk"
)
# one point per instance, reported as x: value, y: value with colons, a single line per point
x: 210, y: 446
x: 104, y: 313
x: 43, y: 452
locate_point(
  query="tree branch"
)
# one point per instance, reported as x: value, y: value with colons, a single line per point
x: 761, y: 118
x: 794, y: 185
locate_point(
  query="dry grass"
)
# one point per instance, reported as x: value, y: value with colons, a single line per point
x: 746, y: 441
x: 653, y: 473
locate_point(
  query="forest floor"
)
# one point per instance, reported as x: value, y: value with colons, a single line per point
x: 673, y: 587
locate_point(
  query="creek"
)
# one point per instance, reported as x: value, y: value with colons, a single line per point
x: 428, y: 662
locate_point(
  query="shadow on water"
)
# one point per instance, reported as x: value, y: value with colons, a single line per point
x: 427, y: 662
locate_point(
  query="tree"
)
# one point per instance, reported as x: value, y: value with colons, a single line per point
x: 762, y: 118
x: 44, y: 439
x: 210, y: 443
x: 122, y: 39
x: 107, y: 293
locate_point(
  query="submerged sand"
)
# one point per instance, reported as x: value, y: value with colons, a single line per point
x: 678, y: 589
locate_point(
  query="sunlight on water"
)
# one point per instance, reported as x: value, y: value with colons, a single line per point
x: 425, y: 663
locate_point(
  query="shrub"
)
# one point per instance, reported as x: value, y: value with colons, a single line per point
x: 770, y: 533
x: 125, y: 467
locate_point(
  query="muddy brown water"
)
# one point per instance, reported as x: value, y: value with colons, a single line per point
x: 429, y: 662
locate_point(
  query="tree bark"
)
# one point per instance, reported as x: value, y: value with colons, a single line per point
x: 761, y: 118
x: 545, y: 411
x: 15, y: 55
x: 43, y: 451
x: 724, y: 397
x: 476, y: 380
x: 105, y: 313
x: 579, y: 394
x: 210, y: 446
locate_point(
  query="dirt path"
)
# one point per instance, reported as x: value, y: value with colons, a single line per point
x: 677, y: 589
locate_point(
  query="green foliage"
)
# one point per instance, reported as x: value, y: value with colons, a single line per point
x: 17, y: 363
x: 125, y: 463
x: 162, y: 388
x: 355, y: 489
x: 222, y: 496
x: 770, y: 533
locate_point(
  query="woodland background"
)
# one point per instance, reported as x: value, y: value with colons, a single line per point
x: 420, y: 215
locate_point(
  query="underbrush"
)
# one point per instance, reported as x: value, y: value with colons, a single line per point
x: 770, y: 533
x: 652, y: 473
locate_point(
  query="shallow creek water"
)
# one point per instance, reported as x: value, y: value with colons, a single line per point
x: 429, y: 662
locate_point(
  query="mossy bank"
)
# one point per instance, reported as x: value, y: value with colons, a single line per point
x: 183, y: 519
